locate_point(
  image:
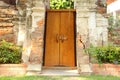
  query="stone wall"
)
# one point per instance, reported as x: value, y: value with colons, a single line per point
x: 91, y: 29
x: 98, y: 32
x: 33, y: 34
x: 83, y: 14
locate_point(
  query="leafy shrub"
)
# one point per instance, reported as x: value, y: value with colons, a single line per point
x: 61, y: 4
x: 9, y: 53
x: 105, y: 54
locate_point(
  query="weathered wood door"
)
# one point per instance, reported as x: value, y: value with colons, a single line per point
x: 59, y: 40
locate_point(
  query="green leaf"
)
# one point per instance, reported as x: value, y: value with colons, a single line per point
x: 61, y: 4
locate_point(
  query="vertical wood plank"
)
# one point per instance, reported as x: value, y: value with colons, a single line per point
x: 67, y: 54
x: 51, y: 46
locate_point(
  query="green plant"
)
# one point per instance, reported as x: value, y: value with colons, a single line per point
x: 35, y: 77
x: 105, y: 54
x: 9, y: 53
x: 61, y: 4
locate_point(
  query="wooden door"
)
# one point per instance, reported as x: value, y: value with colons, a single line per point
x: 59, y: 41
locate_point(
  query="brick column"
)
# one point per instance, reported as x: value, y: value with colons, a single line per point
x: 36, y: 35
x: 27, y: 33
x: 83, y: 8
x: 21, y: 23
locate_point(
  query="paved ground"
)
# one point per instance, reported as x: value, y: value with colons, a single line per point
x: 59, y: 72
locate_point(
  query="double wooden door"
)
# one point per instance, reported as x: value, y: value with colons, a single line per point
x: 59, y: 40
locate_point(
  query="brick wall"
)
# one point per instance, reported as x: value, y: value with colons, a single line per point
x: 6, y: 25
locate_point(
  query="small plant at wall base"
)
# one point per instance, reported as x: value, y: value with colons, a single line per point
x: 10, y: 59
x: 61, y: 4
x: 9, y: 53
x: 105, y: 54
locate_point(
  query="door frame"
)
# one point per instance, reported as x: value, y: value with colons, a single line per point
x: 73, y: 10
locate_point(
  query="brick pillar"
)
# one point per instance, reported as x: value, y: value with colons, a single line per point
x: 22, y: 21
x: 35, y: 35
x: 27, y: 33
x: 83, y: 8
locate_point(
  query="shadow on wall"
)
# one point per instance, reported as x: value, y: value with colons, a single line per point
x: 11, y: 2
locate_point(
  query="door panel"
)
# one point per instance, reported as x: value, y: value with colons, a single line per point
x: 67, y: 56
x: 59, y: 42
x: 51, y: 45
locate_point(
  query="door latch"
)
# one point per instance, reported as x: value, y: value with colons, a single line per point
x: 61, y: 38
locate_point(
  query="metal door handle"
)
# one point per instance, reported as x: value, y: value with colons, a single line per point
x: 63, y: 38
x: 60, y: 37
x: 57, y: 38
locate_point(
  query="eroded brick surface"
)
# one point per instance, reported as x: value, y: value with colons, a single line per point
x: 6, y: 24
